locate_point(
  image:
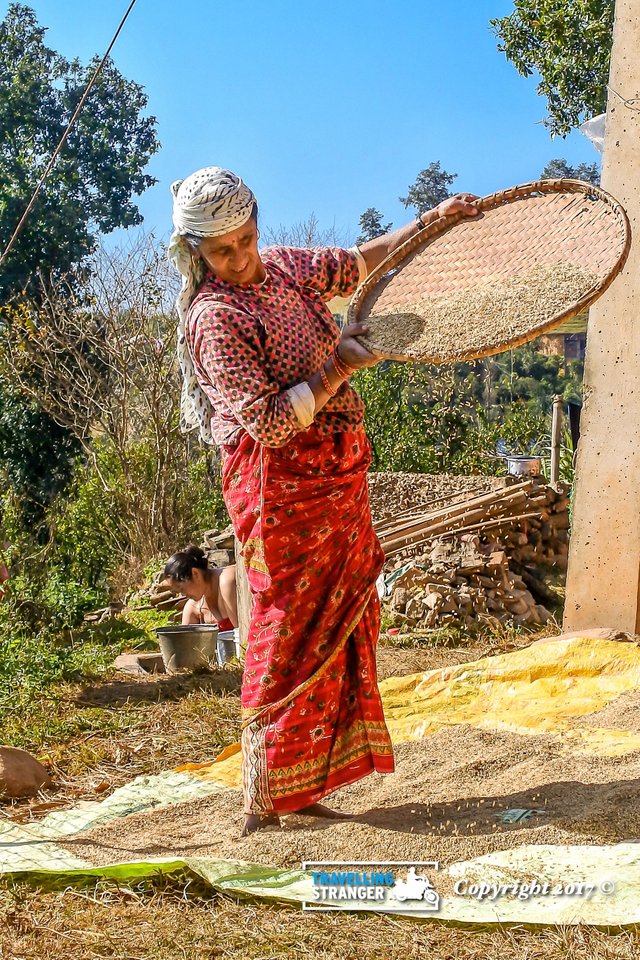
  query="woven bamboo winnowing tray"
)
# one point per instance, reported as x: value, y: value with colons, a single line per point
x: 537, y: 255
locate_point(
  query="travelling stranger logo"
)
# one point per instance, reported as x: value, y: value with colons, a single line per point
x: 391, y: 885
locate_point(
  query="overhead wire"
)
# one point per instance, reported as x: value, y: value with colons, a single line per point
x: 76, y: 113
x: 626, y: 101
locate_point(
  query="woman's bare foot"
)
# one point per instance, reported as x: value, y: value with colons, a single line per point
x: 320, y: 810
x: 254, y: 822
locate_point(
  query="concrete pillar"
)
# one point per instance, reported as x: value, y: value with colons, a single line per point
x: 604, y: 557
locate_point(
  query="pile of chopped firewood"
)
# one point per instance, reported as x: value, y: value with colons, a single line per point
x: 530, y: 520
x: 461, y: 583
x: 476, y: 559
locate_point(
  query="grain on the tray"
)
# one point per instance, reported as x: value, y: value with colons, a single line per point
x: 491, y: 314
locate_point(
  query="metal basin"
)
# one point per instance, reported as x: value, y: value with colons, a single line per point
x: 188, y: 646
x: 228, y: 646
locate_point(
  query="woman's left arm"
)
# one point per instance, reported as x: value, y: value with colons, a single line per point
x: 375, y: 251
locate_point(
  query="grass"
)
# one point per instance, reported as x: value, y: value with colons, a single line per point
x: 41, y: 670
x: 99, y: 732
x: 501, y: 637
x: 109, y: 732
x: 187, y: 923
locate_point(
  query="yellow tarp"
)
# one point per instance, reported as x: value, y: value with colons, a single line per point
x: 544, y: 688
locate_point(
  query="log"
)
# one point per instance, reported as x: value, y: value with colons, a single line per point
x: 400, y: 544
x: 535, y: 585
x: 473, y: 505
x: 160, y: 598
x: 446, y: 528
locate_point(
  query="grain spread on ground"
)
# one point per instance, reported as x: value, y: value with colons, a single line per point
x: 443, y: 803
x: 492, y: 314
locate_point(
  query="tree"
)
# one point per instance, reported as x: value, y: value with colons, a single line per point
x: 371, y: 225
x: 305, y: 233
x: 568, y: 43
x: 100, y: 360
x: 560, y: 169
x: 89, y: 191
x: 430, y: 188
x: 100, y: 169
x: 36, y: 455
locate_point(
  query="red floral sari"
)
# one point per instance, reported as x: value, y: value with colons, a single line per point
x: 312, y: 714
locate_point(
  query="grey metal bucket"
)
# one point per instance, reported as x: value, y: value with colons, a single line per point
x: 188, y: 646
x: 228, y: 646
x: 524, y: 466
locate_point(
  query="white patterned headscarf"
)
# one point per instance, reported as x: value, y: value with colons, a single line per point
x: 211, y: 202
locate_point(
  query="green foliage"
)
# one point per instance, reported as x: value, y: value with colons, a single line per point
x: 103, y: 525
x: 90, y: 190
x: 448, y: 419
x: 389, y: 419
x: 560, y: 169
x: 371, y: 225
x: 45, y: 601
x: 146, y: 622
x: 528, y: 375
x: 88, y: 535
x: 36, y: 455
x: 568, y: 44
x: 430, y: 188
x: 566, y: 466
x: 99, y: 170
x: 202, y: 500
x: 99, y: 533
x: 37, y: 656
x: 417, y: 416
x: 567, y: 459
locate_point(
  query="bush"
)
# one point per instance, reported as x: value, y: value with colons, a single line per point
x: 103, y: 531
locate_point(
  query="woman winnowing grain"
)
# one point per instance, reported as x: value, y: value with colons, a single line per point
x: 266, y: 375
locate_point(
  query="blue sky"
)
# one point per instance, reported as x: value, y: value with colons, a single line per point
x: 327, y: 108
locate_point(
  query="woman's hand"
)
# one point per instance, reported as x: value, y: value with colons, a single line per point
x: 461, y: 203
x: 351, y: 352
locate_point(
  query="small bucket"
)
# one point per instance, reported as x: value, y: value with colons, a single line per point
x: 228, y: 646
x: 188, y: 646
x: 524, y: 466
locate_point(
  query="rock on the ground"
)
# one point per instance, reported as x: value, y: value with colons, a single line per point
x: 20, y: 774
x: 139, y: 664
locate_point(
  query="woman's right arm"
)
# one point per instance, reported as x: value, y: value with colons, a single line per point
x: 190, y: 613
x: 227, y: 352
x: 228, y: 355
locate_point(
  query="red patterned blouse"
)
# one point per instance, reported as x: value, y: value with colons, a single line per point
x: 249, y: 344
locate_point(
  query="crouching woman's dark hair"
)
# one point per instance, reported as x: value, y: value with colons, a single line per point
x: 180, y: 566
